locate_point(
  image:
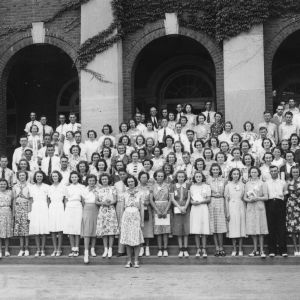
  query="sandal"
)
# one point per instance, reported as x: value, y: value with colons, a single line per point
x: 222, y: 253
x: 254, y: 253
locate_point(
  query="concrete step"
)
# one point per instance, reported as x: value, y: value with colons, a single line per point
x: 152, y: 260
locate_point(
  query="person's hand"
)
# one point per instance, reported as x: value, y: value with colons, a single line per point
x: 142, y: 225
x: 183, y: 210
x: 228, y: 218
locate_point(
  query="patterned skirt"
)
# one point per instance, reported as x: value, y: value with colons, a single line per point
x: 107, y: 222
x: 6, y: 226
x: 217, y: 220
x: 131, y: 232
x: 21, y: 217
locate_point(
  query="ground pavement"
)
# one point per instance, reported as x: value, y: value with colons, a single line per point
x: 149, y: 282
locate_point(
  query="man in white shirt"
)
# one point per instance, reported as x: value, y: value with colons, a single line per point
x: 62, y: 128
x: 181, y: 137
x: 271, y: 127
x: 45, y: 129
x: 164, y: 132
x: 287, y: 128
x: 275, y: 208
x: 19, y: 153
x: 33, y: 121
x: 64, y: 170
x: 191, y: 139
x: 153, y: 117
x: 5, y: 172
x: 139, y: 125
x: 278, y: 116
x: 82, y: 146
x: 32, y: 163
x: 208, y: 113
x: 291, y: 107
x: 73, y: 126
x: 42, y: 153
x: 51, y: 162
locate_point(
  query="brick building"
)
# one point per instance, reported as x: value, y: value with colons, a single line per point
x: 161, y: 65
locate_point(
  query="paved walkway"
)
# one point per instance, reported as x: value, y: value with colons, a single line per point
x: 149, y: 282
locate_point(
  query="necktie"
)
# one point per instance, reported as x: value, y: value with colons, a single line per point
x: 44, y: 132
x: 50, y: 166
x: 208, y: 117
x: 165, y: 135
x: 154, y: 122
x: 191, y: 148
x: 179, y: 138
x: 3, y: 174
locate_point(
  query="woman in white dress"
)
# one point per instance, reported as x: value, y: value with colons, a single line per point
x: 73, y: 212
x: 236, y: 210
x: 202, y: 130
x: 227, y: 133
x: 34, y: 141
x: 68, y: 143
x: 199, y: 217
x: 191, y: 118
x: 39, y: 215
x: 158, y: 161
x: 89, y: 217
x: 91, y: 144
x: 56, y: 197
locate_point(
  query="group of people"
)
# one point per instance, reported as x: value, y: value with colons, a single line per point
x: 174, y: 174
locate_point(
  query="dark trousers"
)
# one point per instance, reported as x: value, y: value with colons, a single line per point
x: 276, y: 216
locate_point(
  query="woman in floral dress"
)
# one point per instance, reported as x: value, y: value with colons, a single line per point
x: 6, y: 225
x: 293, y: 209
x: 132, y: 221
x: 160, y: 201
x: 21, y: 208
x: 107, y: 222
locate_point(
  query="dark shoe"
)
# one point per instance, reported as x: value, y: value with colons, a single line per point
x: 222, y: 253
x: 217, y: 253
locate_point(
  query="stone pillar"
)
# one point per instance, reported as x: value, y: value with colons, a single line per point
x: 244, y: 81
x: 101, y: 103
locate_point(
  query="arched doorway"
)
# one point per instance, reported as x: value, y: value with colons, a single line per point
x: 174, y: 69
x: 286, y: 70
x: 42, y: 78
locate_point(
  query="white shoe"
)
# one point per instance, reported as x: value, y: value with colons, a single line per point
x: 141, y: 252
x: 26, y: 253
x: 241, y: 253
x: 53, y: 253
x: 109, y: 253
x: 166, y: 253
x: 86, y: 257
x: 147, y: 251
x: 7, y: 254
x: 233, y: 253
x: 93, y: 253
x: 185, y: 253
x: 198, y: 253
x: 297, y: 254
x: 43, y: 253
x: 21, y: 253
x: 180, y: 254
x: 0, y: 254
x: 37, y: 253
x: 105, y: 252
x: 159, y: 253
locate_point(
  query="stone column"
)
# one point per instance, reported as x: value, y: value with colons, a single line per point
x: 244, y: 81
x: 101, y: 103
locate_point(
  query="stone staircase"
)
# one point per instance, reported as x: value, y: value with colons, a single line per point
x: 153, y: 259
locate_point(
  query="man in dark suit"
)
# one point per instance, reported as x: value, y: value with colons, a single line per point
x: 153, y: 117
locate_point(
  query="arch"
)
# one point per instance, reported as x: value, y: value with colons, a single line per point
x: 15, y: 44
x: 285, y: 27
x: 136, y: 42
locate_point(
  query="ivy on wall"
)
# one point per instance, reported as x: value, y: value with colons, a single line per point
x: 220, y: 19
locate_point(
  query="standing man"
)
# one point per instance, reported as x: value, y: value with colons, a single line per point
x: 82, y: 146
x: 153, y: 117
x: 5, y: 172
x: 276, y: 213
x: 73, y: 125
x: 209, y: 113
x: 278, y: 116
x: 291, y: 107
x: 191, y: 139
x: 139, y: 125
x: 50, y: 163
x: 163, y: 133
x: 271, y: 127
x: 181, y: 137
x: 287, y: 128
x: 32, y: 122
x: 19, y: 152
x: 62, y: 128
x: 64, y: 170
x: 45, y: 129
x: 180, y: 112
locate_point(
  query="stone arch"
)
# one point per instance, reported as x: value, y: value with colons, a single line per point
x: 272, y: 43
x: 15, y: 44
x: 135, y: 43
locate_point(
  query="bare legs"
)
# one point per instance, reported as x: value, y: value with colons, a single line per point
x: 57, y: 240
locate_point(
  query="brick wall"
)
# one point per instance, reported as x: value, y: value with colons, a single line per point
x: 275, y: 32
x: 63, y: 32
